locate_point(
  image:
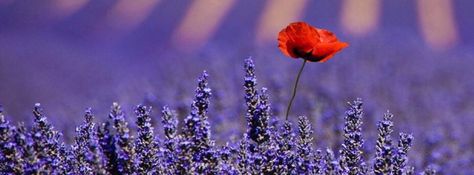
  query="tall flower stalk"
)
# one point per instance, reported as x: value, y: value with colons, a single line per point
x: 45, y: 142
x: 9, y: 154
x: 88, y: 158
x: 294, y: 90
x: 250, y: 87
x: 401, y: 157
x: 384, y: 150
x: 124, y: 141
x: 351, y: 151
x: 145, y: 144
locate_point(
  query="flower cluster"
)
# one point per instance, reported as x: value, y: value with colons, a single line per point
x: 267, y: 147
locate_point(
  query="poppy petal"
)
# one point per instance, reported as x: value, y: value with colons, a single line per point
x: 326, y: 36
x: 299, y: 39
x: 283, y: 44
x: 324, y: 51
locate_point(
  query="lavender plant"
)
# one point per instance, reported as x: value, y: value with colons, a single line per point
x: 124, y: 147
x: 330, y: 164
x: 170, y: 126
x: 107, y: 144
x: 383, y: 148
x: 9, y: 154
x: 196, y: 147
x: 286, y: 157
x: 351, y: 152
x: 401, y: 158
x: 145, y: 145
x: 24, y: 144
x: 266, y: 147
x: 45, y: 143
x: 87, y: 153
x: 304, y: 149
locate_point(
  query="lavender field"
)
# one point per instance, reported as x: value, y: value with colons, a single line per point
x: 200, y: 87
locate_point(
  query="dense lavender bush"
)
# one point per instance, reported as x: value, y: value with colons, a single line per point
x: 266, y: 147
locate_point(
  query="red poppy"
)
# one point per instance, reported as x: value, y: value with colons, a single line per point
x: 300, y: 40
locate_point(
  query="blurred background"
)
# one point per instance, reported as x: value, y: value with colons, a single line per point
x: 412, y: 57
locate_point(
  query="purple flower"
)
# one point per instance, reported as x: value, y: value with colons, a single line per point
x: 197, y: 127
x: 45, y: 143
x: 170, y: 123
x: 401, y: 158
x: 107, y: 145
x: 286, y: 158
x: 304, y: 146
x: 24, y: 144
x: 351, y: 153
x: 225, y: 164
x: 383, y: 148
x: 11, y: 158
x: 250, y: 87
x: 195, y: 148
x: 331, y: 165
x: 124, y: 141
x: 170, y: 126
x: 259, y: 123
x: 88, y: 158
x: 145, y: 145
x: 243, y: 156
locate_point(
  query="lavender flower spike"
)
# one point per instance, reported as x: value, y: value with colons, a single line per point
x: 383, y: 159
x: 107, y: 144
x: 401, y: 157
x: 197, y: 132
x: 124, y: 142
x: 259, y: 123
x: 45, y: 142
x: 304, y: 146
x: 145, y: 145
x: 250, y: 87
x: 170, y: 123
x: 351, y: 153
x: 9, y: 154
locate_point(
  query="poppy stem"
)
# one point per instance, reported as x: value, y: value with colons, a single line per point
x: 294, y: 89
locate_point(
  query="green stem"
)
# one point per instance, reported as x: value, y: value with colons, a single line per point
x: 294, y: 89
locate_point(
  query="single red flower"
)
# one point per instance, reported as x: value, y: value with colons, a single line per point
x: 301, y: 40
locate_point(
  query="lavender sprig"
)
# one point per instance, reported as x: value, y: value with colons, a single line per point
x: 401, y: 157
x: 107, y: 144
x: 195, y: 149
x: 197, y: 127
x: 124, y: 141
x: 24, y: 144
x: 10, y: 156
x: 331, y: 165
x: 45, y: 142
x: 170, y: 125
x: 250, y: 87
x: 351, y: 152
x: 87, y: 153
x: 145, y: 145
x: 243, y: 156
x: 286, y: 158
x: 304, y: 146
x: 383, y: 148
x: 259, y: 123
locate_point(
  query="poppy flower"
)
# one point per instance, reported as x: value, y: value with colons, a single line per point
x: 301, y: 40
